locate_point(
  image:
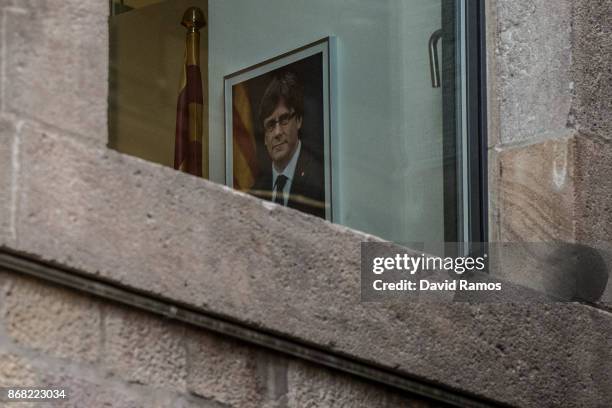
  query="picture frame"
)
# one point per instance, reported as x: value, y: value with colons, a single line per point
x: 267, y: 136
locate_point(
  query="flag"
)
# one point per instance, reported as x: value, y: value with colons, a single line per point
x: 188, y: 135
x: 244, y: 149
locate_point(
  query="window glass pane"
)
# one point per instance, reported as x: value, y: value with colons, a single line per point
x: 350, y: 110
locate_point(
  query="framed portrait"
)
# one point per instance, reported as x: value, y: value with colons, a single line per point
x: 278, y: 131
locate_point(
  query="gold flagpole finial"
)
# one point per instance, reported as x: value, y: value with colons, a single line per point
x: 193, y: 19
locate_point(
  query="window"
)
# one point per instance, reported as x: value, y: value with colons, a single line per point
x: 391, y: 112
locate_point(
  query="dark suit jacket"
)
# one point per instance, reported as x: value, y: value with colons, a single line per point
x: 307, y: 192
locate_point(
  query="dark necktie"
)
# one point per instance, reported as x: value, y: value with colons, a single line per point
x: 279, y: 185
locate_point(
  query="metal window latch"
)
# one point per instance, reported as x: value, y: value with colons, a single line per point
x: 434, y: 65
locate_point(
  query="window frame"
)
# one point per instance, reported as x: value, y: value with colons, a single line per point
x: 476, y: 108
x: 464, y: 123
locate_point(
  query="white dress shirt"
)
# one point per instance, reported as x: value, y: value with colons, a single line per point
x: 289, y: 172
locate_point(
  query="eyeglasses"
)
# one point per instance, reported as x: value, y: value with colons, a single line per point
x: 282, y: 120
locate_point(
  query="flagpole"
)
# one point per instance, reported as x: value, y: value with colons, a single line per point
x: 191, y: 151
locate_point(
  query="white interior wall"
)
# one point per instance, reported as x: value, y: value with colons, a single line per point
x: 388, y: 150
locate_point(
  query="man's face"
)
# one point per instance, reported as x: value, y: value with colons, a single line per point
x: 281, y: 135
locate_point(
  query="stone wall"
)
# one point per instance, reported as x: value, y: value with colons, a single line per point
x: 66, y: 197
x: 550, y: 94
x: 550, y: 141
x: 108, y: 355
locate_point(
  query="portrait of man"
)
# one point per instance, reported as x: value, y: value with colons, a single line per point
x: 279, y: 133
x: 294, y: 177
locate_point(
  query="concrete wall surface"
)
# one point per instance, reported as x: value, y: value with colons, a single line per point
x: 106, y: 355
x: 549, y: 112
x: 65, y: 197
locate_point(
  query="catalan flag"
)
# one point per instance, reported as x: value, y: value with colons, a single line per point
x: 245, y: 157
x: 188, y: 136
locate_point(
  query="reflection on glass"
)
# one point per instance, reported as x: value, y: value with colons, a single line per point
x: 146, y: 67
x: 393, y: 148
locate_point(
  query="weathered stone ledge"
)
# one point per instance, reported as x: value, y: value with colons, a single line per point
x: 151, y: 228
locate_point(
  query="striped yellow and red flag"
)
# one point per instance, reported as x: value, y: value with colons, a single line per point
x: 244, y: 149
x: 189, y: 108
